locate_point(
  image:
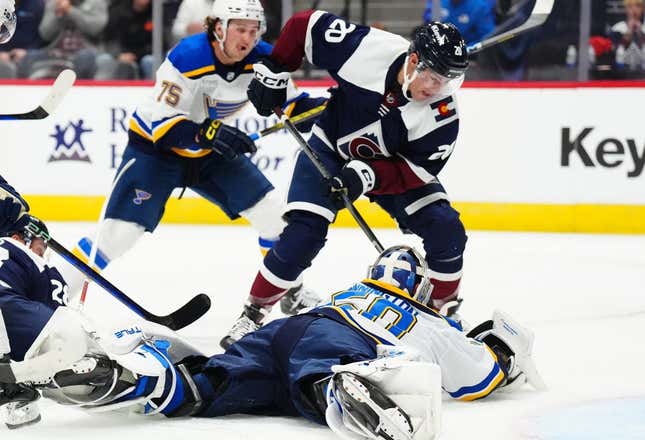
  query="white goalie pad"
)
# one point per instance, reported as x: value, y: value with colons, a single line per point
x: 62, y: 341
x: 414, y: 386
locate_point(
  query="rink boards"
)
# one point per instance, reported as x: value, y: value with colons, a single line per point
x: 535, y: 157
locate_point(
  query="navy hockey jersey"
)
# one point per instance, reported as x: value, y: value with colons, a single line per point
x: 25, y: 274
x: 367, y: 118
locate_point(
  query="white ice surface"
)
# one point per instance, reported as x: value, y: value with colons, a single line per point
x: 583, y: 295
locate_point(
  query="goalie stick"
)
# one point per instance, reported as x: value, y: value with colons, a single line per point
x: 539, y: 14
x: 180, y: 318
x: 57, y: 92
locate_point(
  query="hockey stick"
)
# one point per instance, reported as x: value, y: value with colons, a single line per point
x: 306, y: 148
x: 57, y: 92
x: 185, y: 315
x: 539, y: 14
x: 297, y: 119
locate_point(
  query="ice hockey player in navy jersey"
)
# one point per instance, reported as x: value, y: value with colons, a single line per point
x: 371, y: 363
x: 180, y: 136
x: 387, y: 132
x: 13, y: 208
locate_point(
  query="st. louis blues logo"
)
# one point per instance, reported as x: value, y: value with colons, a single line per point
x: 141, y: 196
x: 69, y: 145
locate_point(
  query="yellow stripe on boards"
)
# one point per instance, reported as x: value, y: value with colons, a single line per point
x: 619, y: 219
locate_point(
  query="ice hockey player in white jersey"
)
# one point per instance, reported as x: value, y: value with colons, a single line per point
x: 387, y: 131
x: 179, y: 138
x: 371, y: 363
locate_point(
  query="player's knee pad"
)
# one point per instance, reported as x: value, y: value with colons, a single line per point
x: 388, y: 398
x: 266, y: 216
x: 444, y: 241
x: 300, y: 242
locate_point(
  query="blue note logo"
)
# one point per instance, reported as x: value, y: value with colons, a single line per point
x: 140, y: 196
x: 69, y: 142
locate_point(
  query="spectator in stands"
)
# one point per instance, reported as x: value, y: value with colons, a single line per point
x: 72, y: 29
x: 129, y: 37
x: 474, y: 18
x: 29, y: 13
x: 190, y: 18
x: 628, y: 35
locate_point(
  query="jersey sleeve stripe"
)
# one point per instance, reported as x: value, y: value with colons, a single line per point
x: 137, y: 126
x: 193, y: 74
x: 482, y: 389
x: 308, y: 40
x: 160, y: 129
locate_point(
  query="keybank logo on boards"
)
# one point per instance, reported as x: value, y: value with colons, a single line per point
x: 588, y: 146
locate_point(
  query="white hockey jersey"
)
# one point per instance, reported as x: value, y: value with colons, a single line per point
x: 469, y: 369
x: 192, y: 85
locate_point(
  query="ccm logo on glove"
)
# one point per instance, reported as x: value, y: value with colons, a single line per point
x: 270, y: 79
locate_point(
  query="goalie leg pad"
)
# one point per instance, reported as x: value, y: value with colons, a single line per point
x: 366, y: 410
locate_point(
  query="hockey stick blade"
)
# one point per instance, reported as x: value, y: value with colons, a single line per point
x: 57, y: 92
x: 538, y: 16
x: 187, y: 314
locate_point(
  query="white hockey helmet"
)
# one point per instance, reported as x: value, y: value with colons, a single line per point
x: 226, y: 10
x: 7, y: 20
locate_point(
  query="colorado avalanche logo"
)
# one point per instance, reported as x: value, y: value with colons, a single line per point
x: 366, y: 143
x: 363, y: 147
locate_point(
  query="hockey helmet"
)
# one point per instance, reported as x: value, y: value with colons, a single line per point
x: 34, y: 228
x: 7, y: 20
x: 226, y: 10
x: 405, y: 268
x: 441, y: 49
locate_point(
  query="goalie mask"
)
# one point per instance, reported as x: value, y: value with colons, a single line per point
x: 7, y: 20
x: 227, y: 10
x: 443, y: 57
x: 405, y: 268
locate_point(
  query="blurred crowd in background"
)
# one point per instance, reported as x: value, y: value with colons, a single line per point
x: 112, y: 39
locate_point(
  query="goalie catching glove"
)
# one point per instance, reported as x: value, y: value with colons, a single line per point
x: 224, y: 139
x: 513, y: 345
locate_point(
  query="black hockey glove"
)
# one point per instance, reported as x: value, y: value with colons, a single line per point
x: 12, y: 210
x: 355, y: 179
x: 224, y: 139
x: 268, y: 89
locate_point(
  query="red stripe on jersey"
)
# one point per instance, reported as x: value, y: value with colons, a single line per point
x: 290, y: 47
x: 394, y: 176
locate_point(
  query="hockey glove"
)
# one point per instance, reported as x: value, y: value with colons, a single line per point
x: 355, y: 179
x: 268, y: 89
x: 224, y: 139
x: 513, y: 345
x: 12, y: 209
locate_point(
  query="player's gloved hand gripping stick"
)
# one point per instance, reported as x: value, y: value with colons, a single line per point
x: 306, y: 148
